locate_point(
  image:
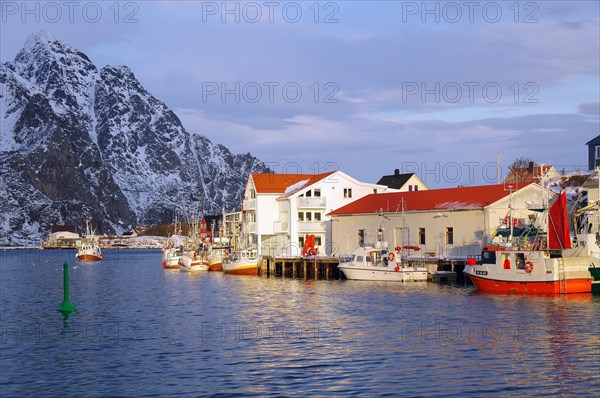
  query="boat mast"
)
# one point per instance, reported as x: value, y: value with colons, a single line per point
x: 510, y: 217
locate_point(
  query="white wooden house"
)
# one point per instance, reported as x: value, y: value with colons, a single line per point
x: 281, y: 209
x: 451, y: 223
x: 403, y: 182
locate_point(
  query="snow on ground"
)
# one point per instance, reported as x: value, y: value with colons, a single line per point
x: 138, y: 242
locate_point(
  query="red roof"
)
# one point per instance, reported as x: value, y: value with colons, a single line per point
x: 278, y: 183
x: 433, y: 199
x: 524, y: 174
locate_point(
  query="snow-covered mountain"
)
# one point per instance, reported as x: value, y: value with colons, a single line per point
x: 78, y: 141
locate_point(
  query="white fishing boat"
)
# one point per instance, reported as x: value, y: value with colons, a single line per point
x: 378, y: 263
x: 193, y: 261
x: 171, y: 256
x: 241, y: 262
x: 218, y: 248
x: 538, y: 259
x: 90, y: 246
x: 194, y: 254
x: 216, y: 257
x: 173, y: 249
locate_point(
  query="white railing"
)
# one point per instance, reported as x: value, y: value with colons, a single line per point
x: 249, y: 204
x: 313, y: 203
x: 311, y: 226
x: 280, y: 227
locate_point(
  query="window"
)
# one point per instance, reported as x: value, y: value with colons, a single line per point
x: 317, y: 193
x: 361, y: 237
x: 598, y: 152
x: 450, y: 236
x: 308, y: 194
x: 308, y: 216
x: 301, y: 241
x: 374, y: 190
x: 317, y: 216
x: 421, y: 236
x: 347, y: 192
x: 488, y: 257
x: 416, y: 187
x: 300, y: 216
x: 520, y: 260
x: 410, y: 188
x: 317, y: 241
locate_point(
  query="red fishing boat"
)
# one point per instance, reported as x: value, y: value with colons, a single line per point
x: 533, y: 261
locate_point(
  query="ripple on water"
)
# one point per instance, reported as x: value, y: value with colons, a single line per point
x: 144, y: 331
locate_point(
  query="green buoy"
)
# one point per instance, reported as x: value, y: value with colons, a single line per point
x: 67, y: 306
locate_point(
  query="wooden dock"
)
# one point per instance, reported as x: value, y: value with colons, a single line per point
x: 325, y: 268
x: 316, y: 268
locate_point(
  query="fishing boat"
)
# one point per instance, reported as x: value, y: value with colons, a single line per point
x: 171, y: 256
x: 90, y: 246
x: 241, y: 262
x: 216, y: 256
x: 378, y: 263
x: 193, y: 258
x: 538, y: 259
x: 173, y: 249
x: 218, y: 248
x: 193, y: 261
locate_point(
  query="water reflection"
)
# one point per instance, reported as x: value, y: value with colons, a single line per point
x: 157, y: 332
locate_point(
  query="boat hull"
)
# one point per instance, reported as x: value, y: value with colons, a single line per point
x: 383, y: 274
x: 89, y: 257
x: 582, y: 285
x: 241, y: 271
x: 215, y: 266
x: 190, y: 263
x: 242, y: 267
x: 171, y: 263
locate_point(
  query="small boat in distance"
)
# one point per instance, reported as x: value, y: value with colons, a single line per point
x: 377, y: 263
x: 90, y: 246
x: 173, y: 249
x: 193, y: 258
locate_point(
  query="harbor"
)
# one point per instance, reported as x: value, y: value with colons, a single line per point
x: 299, y: 199
x: 244, y: 335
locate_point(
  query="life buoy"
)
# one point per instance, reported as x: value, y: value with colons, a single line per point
x: 398, y: 248
x: 529, y: 267
x: 391, y: 256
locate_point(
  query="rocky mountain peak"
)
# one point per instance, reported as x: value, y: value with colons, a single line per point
x: 80, y: 142
x: 60, y: 70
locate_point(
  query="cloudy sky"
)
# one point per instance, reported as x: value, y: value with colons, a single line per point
x: 440, y: 88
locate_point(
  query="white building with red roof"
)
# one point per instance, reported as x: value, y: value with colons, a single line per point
x: 281, y: 209
x: 451, y: 223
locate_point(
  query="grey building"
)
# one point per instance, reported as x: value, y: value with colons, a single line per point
x: 593, y: 153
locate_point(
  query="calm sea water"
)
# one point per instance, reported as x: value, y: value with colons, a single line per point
x: 143, y: 331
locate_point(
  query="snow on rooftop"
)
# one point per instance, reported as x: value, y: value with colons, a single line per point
x: 294, y: 187
x: 457, y: 205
